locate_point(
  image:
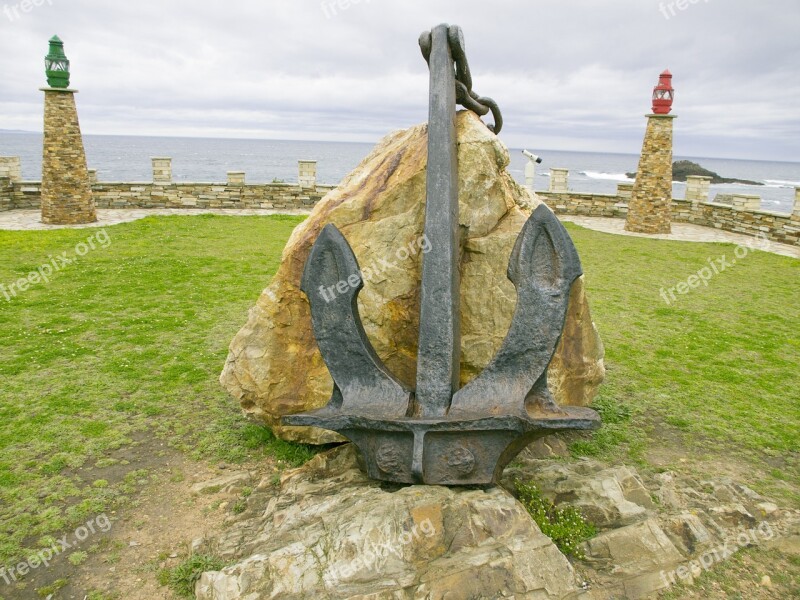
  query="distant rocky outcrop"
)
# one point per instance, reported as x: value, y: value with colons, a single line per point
x: 681, y: 169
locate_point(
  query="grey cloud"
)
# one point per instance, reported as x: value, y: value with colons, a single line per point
x: 571, y: 75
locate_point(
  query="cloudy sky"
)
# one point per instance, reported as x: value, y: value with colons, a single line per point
x: 568, y: 74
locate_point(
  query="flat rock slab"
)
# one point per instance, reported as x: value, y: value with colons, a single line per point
x: 332, y: 533
x: 329, y: 532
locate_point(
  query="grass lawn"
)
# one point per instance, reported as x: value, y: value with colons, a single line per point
x: 127, y: 344
x: 712, y: 375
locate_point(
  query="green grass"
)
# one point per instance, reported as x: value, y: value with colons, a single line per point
x: 566, y: 526
x: 183, y: 577
x: 715, y: 372
x: 738, y: 577
x: 125, y: 345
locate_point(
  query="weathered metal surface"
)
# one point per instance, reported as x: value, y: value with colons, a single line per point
x: 439, y: 318
x: 442, y: 435
x: 543, y: 266
x: 361, y: 382
x: 465, y: 96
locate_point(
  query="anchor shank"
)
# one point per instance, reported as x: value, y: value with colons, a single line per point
x: 439, y: 327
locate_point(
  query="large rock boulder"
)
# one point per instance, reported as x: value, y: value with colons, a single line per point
x: 330, y: 532
x: 274, y: 367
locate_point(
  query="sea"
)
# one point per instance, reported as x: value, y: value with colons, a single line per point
x: 127, y: 158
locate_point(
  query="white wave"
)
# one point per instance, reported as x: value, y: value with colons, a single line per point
x: 607, y: 176
x: 781, y: 183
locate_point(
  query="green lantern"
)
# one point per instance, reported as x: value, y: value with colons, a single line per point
x: 56, y: 64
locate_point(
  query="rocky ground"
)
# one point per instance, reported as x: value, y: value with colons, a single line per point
x: 328, y: 532
x: 325, y: 531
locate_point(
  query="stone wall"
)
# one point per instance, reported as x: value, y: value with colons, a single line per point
x: 162, y: 192
x: 743, y: 217
x: 740, y: 214
x: 27, y: 195
x: 10, y: 167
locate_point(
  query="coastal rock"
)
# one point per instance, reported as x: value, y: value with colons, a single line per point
x: 637, y: 555
x: 607, y: 497
x: 330, y: 532
x: 274, y: 367
x: 684, y: 168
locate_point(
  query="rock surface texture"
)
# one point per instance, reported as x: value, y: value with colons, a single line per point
x: 328, y: 532
x: 332, y: 533
x: 274, y: 367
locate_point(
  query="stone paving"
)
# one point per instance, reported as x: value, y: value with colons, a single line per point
x: 684, y: 232
x: 31, y: 220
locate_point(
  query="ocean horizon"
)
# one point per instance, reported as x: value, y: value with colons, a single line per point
x: 127, y: 158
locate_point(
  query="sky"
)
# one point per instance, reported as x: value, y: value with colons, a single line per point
x: 567, y: 74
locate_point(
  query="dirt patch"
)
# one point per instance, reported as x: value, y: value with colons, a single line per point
x: 153, y: 532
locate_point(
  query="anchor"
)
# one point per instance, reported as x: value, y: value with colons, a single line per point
x: 438, y: 433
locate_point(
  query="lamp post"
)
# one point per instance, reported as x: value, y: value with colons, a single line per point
x: 56, y: 64
x: 663, y: 94
x: 650, y: 206
x: 66, y: 186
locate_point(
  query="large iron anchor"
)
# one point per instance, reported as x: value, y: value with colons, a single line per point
x: 438, y: 433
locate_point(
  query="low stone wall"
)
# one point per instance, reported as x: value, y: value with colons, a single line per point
x: 27, y: 195
x: 777, y: 227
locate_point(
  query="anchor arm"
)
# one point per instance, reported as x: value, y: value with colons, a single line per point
x: 362, y: 383
x: 543, y: 266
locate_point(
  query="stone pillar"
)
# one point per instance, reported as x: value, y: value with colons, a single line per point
x: 746, y: 202
x: 650, y: 208
x: 66, y: 192
x: 162, y: 170
x: 92, y: 176
x: 624, y: 191
x: 6, y: 189
x: 559, y: 180
x: 796, y: 211
x: 10, y: 167
x: 307, y: 177
x: 697, y: 187
x: 236, y: 178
